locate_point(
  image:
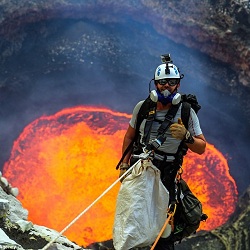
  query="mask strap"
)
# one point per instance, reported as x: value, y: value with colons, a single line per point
x: 175, y: 89
x: 149, y: 85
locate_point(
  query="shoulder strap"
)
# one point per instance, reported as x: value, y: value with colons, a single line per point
x: 185, y: 113
x: 146, y: 109
x: 148, y: 125
x: 168, y: 119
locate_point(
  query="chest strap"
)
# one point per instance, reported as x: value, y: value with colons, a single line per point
x: 164, y: 125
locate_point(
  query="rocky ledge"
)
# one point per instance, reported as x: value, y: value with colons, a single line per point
x: 16, y: 232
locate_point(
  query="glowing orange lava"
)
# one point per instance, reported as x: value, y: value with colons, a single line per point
x: 63, y: 162
x: 209, y: 178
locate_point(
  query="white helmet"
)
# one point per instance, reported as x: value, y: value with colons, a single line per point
x: 168, y: 70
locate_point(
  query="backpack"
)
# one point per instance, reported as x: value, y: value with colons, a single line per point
x: 188, y: 101
x: 188, y: 213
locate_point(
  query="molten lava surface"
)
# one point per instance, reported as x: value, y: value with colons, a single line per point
x: 63, y: 162
x: 208, y: 177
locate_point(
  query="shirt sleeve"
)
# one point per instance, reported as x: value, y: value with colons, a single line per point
x: 133, y: 120
x: 194, y: 124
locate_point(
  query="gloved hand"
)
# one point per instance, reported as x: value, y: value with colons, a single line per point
x: 178, y: 130
x: 123, y: 168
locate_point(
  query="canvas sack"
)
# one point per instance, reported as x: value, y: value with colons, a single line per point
x: 141, y: 208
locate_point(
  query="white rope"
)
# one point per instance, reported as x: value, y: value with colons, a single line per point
x: 92, y: 204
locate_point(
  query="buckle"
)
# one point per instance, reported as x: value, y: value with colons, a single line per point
x: 170, y: 158
x: 159, y: 157
x: 166, y: 158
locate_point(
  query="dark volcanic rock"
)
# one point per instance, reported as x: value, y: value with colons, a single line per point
x: 220, y: 29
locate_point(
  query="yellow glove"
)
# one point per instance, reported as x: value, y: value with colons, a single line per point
x: 123, y: 168
x: 178, y: 130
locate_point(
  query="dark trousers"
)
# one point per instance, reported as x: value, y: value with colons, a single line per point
x: 168, y: 175
x: 165, y: 244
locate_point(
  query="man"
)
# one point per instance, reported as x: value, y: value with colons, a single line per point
x: 166, y: 155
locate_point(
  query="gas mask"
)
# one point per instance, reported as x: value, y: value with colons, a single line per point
x: 165, y: 97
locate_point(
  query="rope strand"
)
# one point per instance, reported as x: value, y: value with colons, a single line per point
x: 162, y: 230
x: 92, y: 204
x: 170, y: 216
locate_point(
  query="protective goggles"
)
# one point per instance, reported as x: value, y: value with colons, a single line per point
x: 170, y: 82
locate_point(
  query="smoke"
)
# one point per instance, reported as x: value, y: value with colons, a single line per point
x: 65, y: 63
